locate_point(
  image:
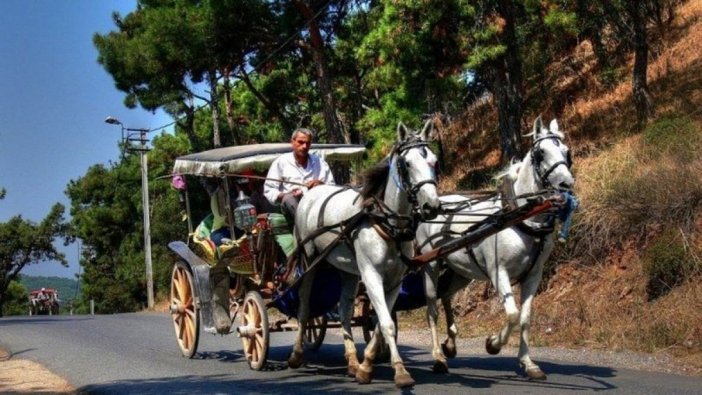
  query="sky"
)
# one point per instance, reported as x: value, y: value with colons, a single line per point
x: 54, y: 98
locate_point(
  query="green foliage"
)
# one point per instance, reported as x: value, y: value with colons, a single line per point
x: 16, y: 298
x: 658, y: 181
x: 672, y: 136
x: 25, y: 242
x: 662, y: 334
x: 668, y: 262
x: 610, y: 76
x: 107, y: 215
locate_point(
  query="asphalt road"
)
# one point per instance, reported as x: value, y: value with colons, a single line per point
x: 137, y: 354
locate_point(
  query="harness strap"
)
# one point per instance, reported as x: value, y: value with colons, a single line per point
x: 347, y: 227
x: 539, y: 232
x: 320, y: 217
x: 535, y: 254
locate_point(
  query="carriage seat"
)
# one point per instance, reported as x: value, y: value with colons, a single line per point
x: 280, y: 229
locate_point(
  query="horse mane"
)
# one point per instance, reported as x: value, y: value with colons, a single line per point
x: 374, y: 180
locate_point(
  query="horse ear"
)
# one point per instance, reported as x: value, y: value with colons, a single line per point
x: 553, y: 126
x: 538, y: 125
x: 402, y: 131
x: 426, y: 130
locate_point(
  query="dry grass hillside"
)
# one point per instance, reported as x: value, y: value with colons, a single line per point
x: 629, y: 277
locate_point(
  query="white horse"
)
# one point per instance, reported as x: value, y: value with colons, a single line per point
x: 515, y: 254
x: 379, y: 227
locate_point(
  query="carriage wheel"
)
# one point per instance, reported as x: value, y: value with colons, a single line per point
x: 315, y: 332
x: 184, y: 311
x: 254, y: 331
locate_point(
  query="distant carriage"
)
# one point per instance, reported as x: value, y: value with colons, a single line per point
x: 44, y: 301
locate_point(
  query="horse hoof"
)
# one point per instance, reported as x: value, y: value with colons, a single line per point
x: 364, y: 376
x: 535, y: 374
x: 294, y: 361
x: 440, y: 367
x: 492, y: 350
x: 449, y: 351
x: 404, y: 380
x: 352, y: 370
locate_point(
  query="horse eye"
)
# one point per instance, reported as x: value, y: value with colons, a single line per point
x: 423, y: 152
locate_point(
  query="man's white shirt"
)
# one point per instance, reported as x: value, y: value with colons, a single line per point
x: 286, y: 168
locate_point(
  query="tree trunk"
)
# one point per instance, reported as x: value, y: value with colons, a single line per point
x: 323, y: 78
x: 228, y: 106
x: 214, y: 105
x: 266, y: 103
x: 593, y: 31
x: 642, y: 98
x: 188, y: 125
x: 507, y: 83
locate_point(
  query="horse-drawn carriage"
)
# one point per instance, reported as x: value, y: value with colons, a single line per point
x: 342, y: 235
x: 258, y: 260
x: 43, y: 301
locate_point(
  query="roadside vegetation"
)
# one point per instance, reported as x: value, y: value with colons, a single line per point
x: 629, y: 276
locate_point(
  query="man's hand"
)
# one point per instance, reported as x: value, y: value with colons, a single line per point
x: 296, y: 193
x: 313, y: 183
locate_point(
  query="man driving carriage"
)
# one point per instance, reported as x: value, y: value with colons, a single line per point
x: 288, y: 177
x: 294, y: 173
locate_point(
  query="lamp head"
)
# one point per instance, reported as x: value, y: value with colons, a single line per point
x: 113, y: 121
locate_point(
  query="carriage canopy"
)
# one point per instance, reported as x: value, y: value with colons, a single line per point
x: 232, y: 160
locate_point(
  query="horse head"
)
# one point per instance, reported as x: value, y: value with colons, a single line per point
x: 551, y: 157
x: 415, y: 164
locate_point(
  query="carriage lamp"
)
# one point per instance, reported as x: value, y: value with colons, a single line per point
x: 245, y: 213
x: 139, y: 134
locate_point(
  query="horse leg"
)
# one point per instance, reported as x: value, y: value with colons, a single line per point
x: 430, y: 282
x: 374, y: 283
x: 303, y: 315
x: 494, y: 343
x: 457, y: 283
x: 529, y: 287
x: 349, y: 289
x: 364, y: 374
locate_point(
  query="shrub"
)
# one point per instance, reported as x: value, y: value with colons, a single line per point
x: 643, y: 182
x: 668, y: 262
x: 675, y: 137
x: 17, y: 300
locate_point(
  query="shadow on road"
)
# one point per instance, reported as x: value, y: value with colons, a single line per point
x: 325, y: 371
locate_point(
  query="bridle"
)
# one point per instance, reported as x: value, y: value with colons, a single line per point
x: 538, y: 157
x: 401, y: 169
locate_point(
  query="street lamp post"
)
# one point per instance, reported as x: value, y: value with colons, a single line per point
x: 140, y: 136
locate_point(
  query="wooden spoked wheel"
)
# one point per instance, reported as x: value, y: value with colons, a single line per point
x: 184, y: 311
x: 315, y: 332
x: 254, y: 330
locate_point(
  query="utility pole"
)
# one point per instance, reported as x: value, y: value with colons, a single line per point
x: 139, y: 135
